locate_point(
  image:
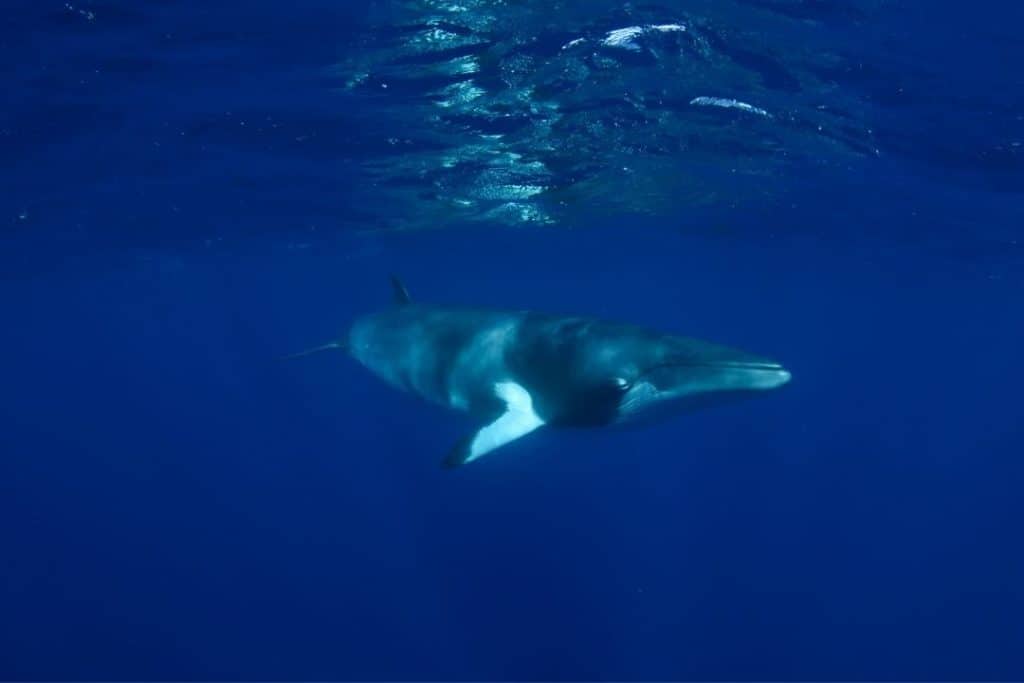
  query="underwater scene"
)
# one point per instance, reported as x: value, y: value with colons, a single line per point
x: 512, y: 340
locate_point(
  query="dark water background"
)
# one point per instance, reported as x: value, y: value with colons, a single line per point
x: 191, y: 189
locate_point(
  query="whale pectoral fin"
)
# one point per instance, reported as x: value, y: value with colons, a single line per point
x: 519, y: 419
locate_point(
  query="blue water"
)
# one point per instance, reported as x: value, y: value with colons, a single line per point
x: 192, y: 189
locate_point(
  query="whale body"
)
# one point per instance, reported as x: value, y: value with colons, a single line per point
x: 518, y: 371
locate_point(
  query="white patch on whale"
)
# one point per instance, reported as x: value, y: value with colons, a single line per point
x: 519, y: 419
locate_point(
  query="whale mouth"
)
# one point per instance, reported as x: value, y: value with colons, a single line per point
x: 738, y: 365
x: 767, y: 366
x: 768, y: 374
x: 759, y: 374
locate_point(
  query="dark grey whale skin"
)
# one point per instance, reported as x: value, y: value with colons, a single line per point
x: 580, y: 372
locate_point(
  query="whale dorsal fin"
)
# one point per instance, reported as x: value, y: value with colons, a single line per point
x: 401, y: 293
x: 519, y: 419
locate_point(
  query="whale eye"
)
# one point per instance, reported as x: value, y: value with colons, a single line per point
x: 593, y: 403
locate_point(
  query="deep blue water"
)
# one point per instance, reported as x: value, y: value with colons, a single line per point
x: 192, y: 189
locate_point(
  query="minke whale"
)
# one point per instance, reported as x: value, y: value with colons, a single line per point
x: 520, y: 371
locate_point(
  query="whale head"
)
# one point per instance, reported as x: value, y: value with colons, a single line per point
x: 678, y: 375
x: 626, y: 374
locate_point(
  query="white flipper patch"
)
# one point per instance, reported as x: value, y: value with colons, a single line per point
x: 519, y: 419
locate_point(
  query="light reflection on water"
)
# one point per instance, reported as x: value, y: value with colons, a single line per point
x: 549, y: 113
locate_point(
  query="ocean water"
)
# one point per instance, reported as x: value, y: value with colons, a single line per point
x: 193, y: 189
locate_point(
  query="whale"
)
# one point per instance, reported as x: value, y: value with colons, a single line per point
x: 517, y: 372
